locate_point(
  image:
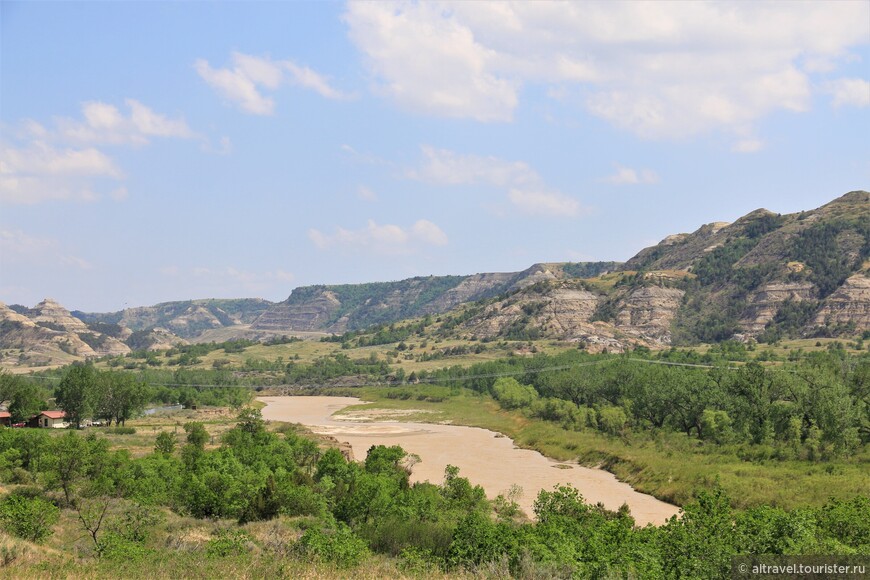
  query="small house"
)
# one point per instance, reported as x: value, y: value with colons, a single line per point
x: 5, y: 419
x: 49, y: 419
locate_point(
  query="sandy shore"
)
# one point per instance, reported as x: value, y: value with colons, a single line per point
x: 484, y: 457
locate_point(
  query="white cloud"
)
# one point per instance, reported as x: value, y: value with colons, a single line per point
x: 659, y: 70
x: 546, y: 203
x: 629, y: 176
x: 382, y: 239
x: 105, y: 123
x: 42, y: 158
x: 849, y: 92
x: 63, y: 163
x: 243, y: 83
x: 445, y: 167
x: 427, y: 61
x: 19, y: 248
x: 309, y: 79
x: 147, y: 122
x: 32, y: 190
x: 429, y: 233
x: 40, y: 172
x: 524, y: 187
x: 235, y: 86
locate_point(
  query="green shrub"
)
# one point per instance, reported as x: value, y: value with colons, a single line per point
x: 29, y: 518
x: 612, y: 420
x: 339, y: 545
x: 716, y: 426
x: 227, y: 543
x: 114, y: 546
x: 510, y: 394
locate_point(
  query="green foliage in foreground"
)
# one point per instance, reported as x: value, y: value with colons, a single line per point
x: 28, y: 517
x: 352, y: 510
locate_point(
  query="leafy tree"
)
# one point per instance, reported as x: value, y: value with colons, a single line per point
x: 118, y: 396
x: 23, y: 399
x: 700, y: 544
x: 165, y: 442
x: 250, y: 420
x: 197, y: 436
x: 68, y: 463
x: 512, y: 395
x: 74, y: 392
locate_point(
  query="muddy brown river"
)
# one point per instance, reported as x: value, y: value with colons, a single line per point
x: 484, y: 457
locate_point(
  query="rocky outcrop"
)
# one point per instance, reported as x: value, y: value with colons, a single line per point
x: 187, y: 318
x: 194, y: 320
x: 36, y: 343
x: 345, y: 307
x: 647, y: 313
x: 52, y: 315
x: 154, y: 339
x: 850, y: 303
x: 471, y: 288
x: 48, y: 333
x: 316, y: 313
x: 763, y: 304
x: 560, y: 311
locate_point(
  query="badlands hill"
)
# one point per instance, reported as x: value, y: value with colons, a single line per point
x: 766, y: 276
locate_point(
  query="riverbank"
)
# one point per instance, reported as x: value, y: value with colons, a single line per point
x: 667, y: 465
x: 486, y: 457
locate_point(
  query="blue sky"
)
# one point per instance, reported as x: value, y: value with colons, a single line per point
x: 158, y: 151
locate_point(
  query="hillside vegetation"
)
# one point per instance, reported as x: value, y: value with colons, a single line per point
x: 764, y: 278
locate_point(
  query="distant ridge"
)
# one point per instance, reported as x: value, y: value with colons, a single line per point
x: 764, y: 277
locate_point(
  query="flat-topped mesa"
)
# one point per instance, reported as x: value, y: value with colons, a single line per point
x: 342, y: 307
x: 316, y: 312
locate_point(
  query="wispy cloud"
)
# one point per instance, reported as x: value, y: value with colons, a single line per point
x: 67, y: 162
x: 244, y: 82
x: 20, y: 248
x: 545, y: 203
x: 629, y: 176
x: 849, y: 92
x: 382, y: 239
x: 524, y: 187
x: 445, y: 167
x: 40, y: 172
x: 104, y: 123
x: 366, y: 194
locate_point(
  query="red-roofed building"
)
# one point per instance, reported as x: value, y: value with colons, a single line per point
x: 5, y: 419
x: 49, y: 419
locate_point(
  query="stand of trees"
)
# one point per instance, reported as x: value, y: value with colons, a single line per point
x: 86, y: 393
x: 352, y: 509
x: 814, y: 409
x: 23, y: 399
